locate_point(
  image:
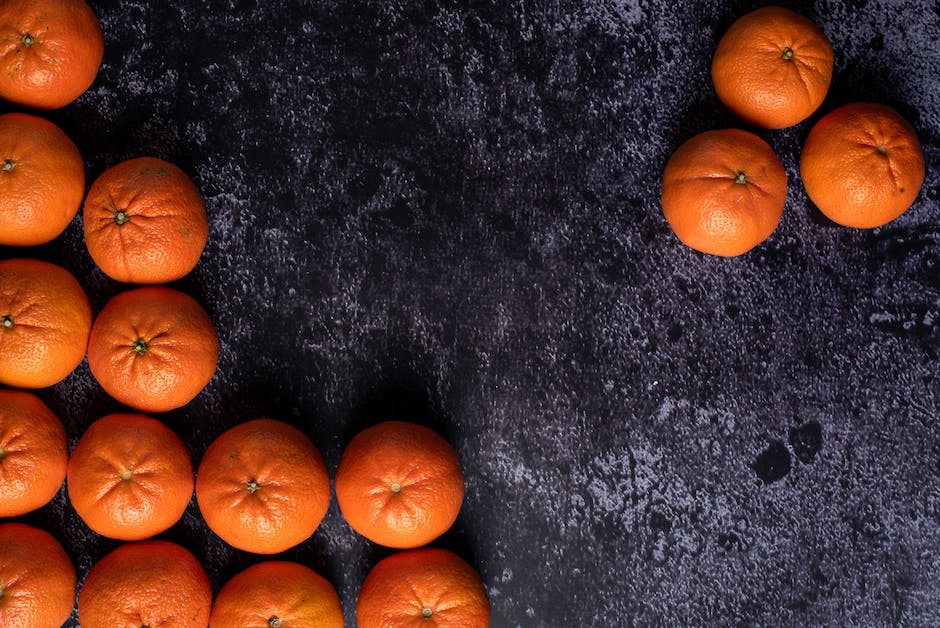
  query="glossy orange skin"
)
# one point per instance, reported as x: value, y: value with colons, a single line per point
x: 772, y: 68
x: 420, y: 464
x: 145, y: 222
x: 62, y: 58
x: 277, y: 591
x: 263, y: 487
x: 42, y: 180
x: 45, y: 319
x: 724, y: 192
x: 37, y: 578
x: 149, y: 583
x: 178, y: 357
x: 436, y: 582
x: 130, y: 477
x: 34, y: 453
x: 862, y: 165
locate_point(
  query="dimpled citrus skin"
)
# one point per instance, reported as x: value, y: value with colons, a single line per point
x: 153, y: 349
x: 42, y: 180
x: 723, y: 192
x: 34, y: 452
x: 772, y: 68
x: 423, y: 588
x: 130, y: 477
x: 145, y: 222
x: 862, y: 165
x: 50, y: 51
x: 37, y: 578
x: 399, y: 484
x: 45, y: 318
x: 149, y: 583
x: 277, y: 593
x: 263, y: 487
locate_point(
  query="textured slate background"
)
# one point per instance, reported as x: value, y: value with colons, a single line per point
x: 448, y: 212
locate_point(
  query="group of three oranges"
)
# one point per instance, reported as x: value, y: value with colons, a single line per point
x: 723, y: 192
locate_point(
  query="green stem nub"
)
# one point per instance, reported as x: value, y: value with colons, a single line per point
x: 252, y: 487
x: 740, y: 178
x: 7, y: 321
x: 882, y: 149
x: 121, y: 217
x: 8, y: 165
x: 787, y: 53
x: 28, y: 40
x: 140, y: 346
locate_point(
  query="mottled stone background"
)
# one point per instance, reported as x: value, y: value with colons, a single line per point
x: 449, y: 212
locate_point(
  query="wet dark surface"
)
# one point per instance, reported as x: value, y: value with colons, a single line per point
x: 448, y: 212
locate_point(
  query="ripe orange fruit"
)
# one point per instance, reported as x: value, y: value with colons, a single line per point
x: 153, y: 349
x: 862, y: 165
x: 399, y: 484
x: 424, y: 587
x: 34, y: 452
x: 37, y: 578
x: 42, y: 180
x: 130, y: 477
x: 149, y: 583
x: 772, y: 68
x: 277, y: 594
x: 145, y: 222
x: 724, y: 191
x: 51, y: 51
x: 263, y: 487
x: 45, y: 317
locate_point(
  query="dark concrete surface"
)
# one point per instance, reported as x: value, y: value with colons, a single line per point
x: 449, y: 212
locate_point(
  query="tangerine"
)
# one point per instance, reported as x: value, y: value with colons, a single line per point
x: 263, y: 487
x: 862, y: 165
x: 423, y: 587
x: 724, y: 192
x: 51, y: 51
x: 145, y: 222
x: 153, y: 349
x: 45, y: 319
x: 34, y: 453
x: 773, y: 67
x: 42, y: 180
x: 130, y: 477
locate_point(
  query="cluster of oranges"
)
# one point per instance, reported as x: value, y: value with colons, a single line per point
x: 723, y: 192
x: 261, y: 486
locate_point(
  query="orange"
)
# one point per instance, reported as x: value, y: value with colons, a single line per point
x: 723, y: 192
x: 399, y: 484
x: 263, y: 487
x: 37, y: 578
x: 42, y: 180
x: 149, y: 583
x: 130, y: 477
x: 862, y: 165
x: 50, y: 51
x: 153, y: 349
x: 772, y: 68
x: 145, y: 222
x: 45, y: 317
x: 423, y: 587
x: 277, y: 594
x: 34, y: 452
